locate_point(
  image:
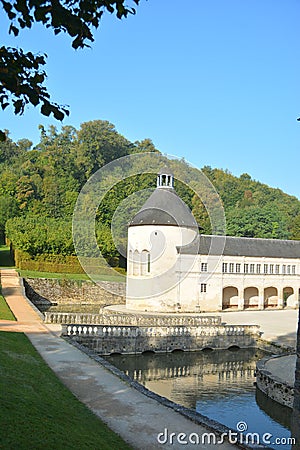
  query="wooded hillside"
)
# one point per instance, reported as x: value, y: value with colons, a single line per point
x: 39, y: 187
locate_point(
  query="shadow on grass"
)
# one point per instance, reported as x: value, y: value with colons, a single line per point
x: 5, y: 257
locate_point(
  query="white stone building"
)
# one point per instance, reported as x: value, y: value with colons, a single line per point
x: 173, y: 268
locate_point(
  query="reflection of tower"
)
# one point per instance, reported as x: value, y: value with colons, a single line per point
x: 163, y: 223
x: 296, y: 409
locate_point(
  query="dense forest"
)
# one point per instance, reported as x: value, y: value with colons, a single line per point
x: 39, y: 187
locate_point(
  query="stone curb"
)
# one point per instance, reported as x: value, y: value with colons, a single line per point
x: 273, y: 386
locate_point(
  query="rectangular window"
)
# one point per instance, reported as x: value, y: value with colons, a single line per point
x: 265, y: 268
x: 246, y: 268
x: 284, y: 269
x: 231, y: 267
x: 288, y: 269
x: 224, y: 267
x: 277, y: 268
x: 238, y: 268
x: 252, y: 268
x: 148, y: 263
x: 203, y: 267
x: 203, y: 287
x: 293, y: 270
x: 258, y: 268
x: 271, y: 268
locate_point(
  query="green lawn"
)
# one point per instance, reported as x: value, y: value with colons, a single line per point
x: 66, y: 276
x: 5, y: 312
x: 5, y: 257
x: 37, y: 411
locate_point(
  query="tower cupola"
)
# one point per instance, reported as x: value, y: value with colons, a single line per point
x: 165, y: 178
x: 164, y: 206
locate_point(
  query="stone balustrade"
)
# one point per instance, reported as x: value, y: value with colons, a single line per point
x: 106, y: 339
x: 131, y: 319
x: 76, y: 318
x: 132, y: 331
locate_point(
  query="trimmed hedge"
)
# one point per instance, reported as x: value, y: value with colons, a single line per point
x: 40, y: 266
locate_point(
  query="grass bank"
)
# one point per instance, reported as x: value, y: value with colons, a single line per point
x: 37, y: 411
x: 5, y: 312
x: 67, y: 276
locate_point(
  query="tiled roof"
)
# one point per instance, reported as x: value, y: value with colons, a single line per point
x: 242, y: 246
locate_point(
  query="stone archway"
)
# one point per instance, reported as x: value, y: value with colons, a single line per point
x: 270, y: 297
x: 230, y: 297
x: 251, y: 297
x: 288, y: 297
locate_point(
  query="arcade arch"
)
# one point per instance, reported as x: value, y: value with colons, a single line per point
x: 230, y: 297
x: 270, y: 297
x: 251, y: 297
x: 288, y: 297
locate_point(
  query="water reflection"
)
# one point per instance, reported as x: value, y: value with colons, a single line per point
x: 218, y: 384
x: 281, y: 414
x: 185, y: 375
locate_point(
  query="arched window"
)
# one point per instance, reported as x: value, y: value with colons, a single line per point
x: 136, y: 262
x: 145, y: 262
x: 130, y: 263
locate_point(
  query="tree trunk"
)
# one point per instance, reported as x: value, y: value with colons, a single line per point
x: 296, y: 409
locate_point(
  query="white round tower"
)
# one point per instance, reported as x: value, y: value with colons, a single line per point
x: 162, y: 224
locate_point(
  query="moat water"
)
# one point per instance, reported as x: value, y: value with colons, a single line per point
x: 217, y: 384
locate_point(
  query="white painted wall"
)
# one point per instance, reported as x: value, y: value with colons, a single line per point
x: 155, y: 290
x: 216, y: 281
x: 174, y: 281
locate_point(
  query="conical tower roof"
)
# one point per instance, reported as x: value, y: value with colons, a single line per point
x: 166, y: 171
x: 165, y: 207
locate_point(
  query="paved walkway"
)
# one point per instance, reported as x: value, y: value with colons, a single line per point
x: 135, y: 417
x: 278, y: 326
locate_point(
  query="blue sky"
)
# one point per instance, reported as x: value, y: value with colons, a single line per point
x: 213, y: 81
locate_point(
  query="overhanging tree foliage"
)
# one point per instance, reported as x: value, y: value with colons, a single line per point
x: 21, y: 73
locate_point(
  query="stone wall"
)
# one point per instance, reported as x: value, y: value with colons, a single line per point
x: 42, y: 291
x: 272, y: 386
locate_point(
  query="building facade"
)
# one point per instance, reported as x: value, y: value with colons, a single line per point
x: 173, y: 268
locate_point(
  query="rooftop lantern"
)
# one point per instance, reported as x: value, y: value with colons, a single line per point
x: 165, y: 178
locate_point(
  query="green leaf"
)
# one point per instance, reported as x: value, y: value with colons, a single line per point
x: 19, y: 106
x: 46, y: 109
x: 59, y: 115
x: 14, y: 30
